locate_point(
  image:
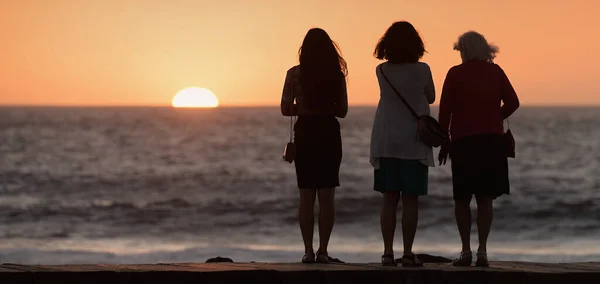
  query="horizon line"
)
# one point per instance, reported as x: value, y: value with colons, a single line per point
x: 239, y: 106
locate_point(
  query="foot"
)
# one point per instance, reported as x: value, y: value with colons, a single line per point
x: 309, y: 258
x: 465, y: 259
x: 410, y: 260
x: 322, y: 257
x: 482, y: 260
x: 388, y: 260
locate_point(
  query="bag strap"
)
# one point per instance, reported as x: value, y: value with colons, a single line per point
x: 292, y: 115
x: 398, y: 93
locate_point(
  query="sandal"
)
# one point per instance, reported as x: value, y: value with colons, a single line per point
x: 411, y: 260
x: 308, y: 258
x: 388, y: 260
x: 465, y: 259
x: 482, y: 260
x: 322, y: 257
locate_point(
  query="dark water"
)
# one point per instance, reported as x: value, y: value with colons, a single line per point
x: 123, y: 185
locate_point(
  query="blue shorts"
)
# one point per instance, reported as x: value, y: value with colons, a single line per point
x: 397, y: 175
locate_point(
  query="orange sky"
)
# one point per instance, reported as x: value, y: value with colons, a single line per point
x: 141, y: 52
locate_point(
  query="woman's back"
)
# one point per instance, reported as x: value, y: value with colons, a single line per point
x: 413, y: 81
x: 330, y: 98
x: 395, y: 128
x: 472, y: 95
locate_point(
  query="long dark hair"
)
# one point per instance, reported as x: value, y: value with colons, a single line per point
x: 322, y: 68
x: 401, y: 43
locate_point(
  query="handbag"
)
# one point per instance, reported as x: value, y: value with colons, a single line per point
x: 509, y: 142
x: 289, y: 152
x: 429, y: 131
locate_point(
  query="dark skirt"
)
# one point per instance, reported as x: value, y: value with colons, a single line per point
x: 479, y: 166
x: 318, y: 151
x: 398, y: 175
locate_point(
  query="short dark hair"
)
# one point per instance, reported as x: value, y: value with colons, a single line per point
x: 401, y: 43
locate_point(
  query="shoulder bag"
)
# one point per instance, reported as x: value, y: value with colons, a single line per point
x: 429, y: 131
x: 289, y: 152
x: 509, y: 142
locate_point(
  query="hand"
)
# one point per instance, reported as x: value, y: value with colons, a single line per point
x: 443, y: 155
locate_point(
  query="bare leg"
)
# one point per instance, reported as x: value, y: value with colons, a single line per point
x: 326, y: 216
x: 485, y: 214
x: 410, y: 219
x: 462, y: 212
x: 306, y: 217
x: 388, y: 220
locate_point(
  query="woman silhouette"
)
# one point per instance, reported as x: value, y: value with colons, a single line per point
x: 318, y: 87
x: 401, y: 162
x: 476, y: 98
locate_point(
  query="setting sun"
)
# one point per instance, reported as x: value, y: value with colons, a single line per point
x: 195, y: 97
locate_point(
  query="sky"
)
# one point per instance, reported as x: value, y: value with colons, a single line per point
x: 141, y: 52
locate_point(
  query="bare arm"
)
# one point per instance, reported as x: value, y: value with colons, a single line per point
x: 341, y: 103
x: 510, y: 101
x: 288, y: 108
x: 429, y: 87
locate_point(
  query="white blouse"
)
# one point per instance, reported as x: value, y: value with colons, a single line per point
x: 394, y: 133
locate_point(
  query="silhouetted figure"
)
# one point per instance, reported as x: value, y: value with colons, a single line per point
x: 401, y: 162
x: 318, y: 86
x: 477, y: 96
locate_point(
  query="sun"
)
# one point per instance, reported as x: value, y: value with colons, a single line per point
x: 195, y: 97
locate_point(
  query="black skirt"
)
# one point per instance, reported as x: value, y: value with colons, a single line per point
x: 479, y: 166
x: 318, y: 151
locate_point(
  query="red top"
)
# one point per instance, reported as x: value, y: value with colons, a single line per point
x: 471, y: 99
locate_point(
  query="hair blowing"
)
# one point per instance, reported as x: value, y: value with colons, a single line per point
x: 322, y: 68
x: 401, y: 43
x: 473, y: 46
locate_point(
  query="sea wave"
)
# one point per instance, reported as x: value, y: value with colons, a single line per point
x: 80, y: 176
x: 183, y: 216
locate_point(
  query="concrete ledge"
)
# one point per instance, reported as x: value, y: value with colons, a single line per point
x: 499, y: 272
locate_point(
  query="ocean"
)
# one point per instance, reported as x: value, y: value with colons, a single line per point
x: 149, y: 185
